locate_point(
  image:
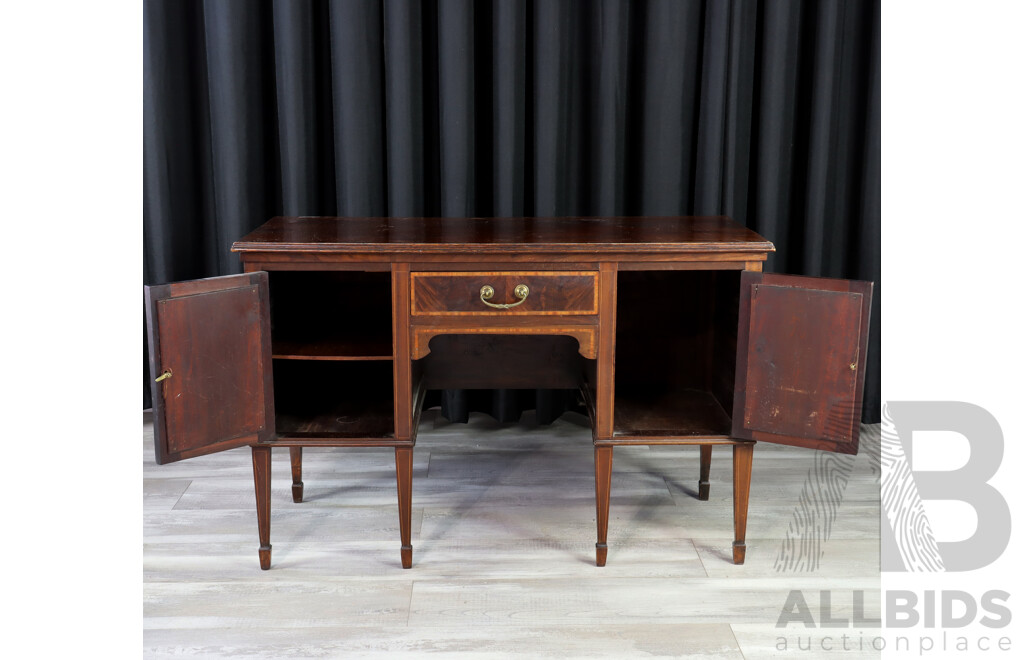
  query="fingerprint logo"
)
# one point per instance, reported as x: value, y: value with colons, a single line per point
x: 904, y: 507
x: 908, y: 540
x: 815, y: 514
x: 822, y: 495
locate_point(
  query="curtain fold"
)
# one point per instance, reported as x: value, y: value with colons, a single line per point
x: 299, y: 132
x: 764, y: 111
x: 403, y: 94
x: 508, y: 107
x: 357, y: 90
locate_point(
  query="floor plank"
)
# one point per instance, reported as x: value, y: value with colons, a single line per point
x: 698, y: 642
x: 560, y: 601
x: 503, y: 526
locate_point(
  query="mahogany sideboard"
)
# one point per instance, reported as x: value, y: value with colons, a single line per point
x: 666, y: 326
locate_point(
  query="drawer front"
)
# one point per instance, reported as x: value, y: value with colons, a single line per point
x: 459, y: 294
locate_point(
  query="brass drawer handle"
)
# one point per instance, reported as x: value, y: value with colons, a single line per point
x: 487, y: 292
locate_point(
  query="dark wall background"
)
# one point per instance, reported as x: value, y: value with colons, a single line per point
x: 764, y: 111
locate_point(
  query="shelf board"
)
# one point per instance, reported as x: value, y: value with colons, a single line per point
x: 353, y: 417
x: 674, y: 413
x: 365, y: 348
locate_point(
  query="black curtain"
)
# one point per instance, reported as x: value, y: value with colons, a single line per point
x: 764, y: 111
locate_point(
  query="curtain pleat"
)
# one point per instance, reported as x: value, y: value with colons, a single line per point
x: 739, y: 109
x: 712, y: 119
x: 776, y: 127
x: 556, y: 108
x: 669, y: 101
x: 457, y: 103
x: 179, y: 218
x: 299, y: 133
x: 509, y: 108
x: 764, y: 111
x: 357, y: 64
x: 403, y: 73
x: 607, y: 139
x: 239, y: 56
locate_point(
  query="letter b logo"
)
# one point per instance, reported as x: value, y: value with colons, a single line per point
x: 907, y: 541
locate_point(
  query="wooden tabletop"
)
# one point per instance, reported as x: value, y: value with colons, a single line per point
x: 535, y: 235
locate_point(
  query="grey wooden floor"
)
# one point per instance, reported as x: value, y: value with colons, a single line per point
x: 504, y: 532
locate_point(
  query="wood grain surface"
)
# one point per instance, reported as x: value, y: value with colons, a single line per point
x: 458, y: 294
x: 633, y: 235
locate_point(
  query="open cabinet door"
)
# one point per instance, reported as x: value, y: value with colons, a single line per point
x: 800, y: 354
x: 210, y: 357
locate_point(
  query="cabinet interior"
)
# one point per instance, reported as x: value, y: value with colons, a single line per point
x: 343, y: 315
x: 675, y: 353
x: 333, y: 356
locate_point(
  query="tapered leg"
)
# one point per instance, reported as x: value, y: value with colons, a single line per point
x: 742, y: 458
x: 602, y: 488
x: 704, y: 487
x: 261, y: 477
x: 296, y: 455
x: 403, y: 471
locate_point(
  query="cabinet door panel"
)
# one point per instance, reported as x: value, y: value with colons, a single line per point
x: 801, y: 349
x: 213, y: 337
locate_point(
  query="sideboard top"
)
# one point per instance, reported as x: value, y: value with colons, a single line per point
x: 596, y: 235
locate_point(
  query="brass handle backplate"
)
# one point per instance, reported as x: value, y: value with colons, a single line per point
x: 165, y: 375
x: 487, y: 292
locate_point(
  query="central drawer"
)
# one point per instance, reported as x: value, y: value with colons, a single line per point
x: 504, y: 293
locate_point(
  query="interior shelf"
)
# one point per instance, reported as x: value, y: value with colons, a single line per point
x: 349, y: 418
x: 334, y: 348
x: 683, y: 413
x: 324, y: 399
